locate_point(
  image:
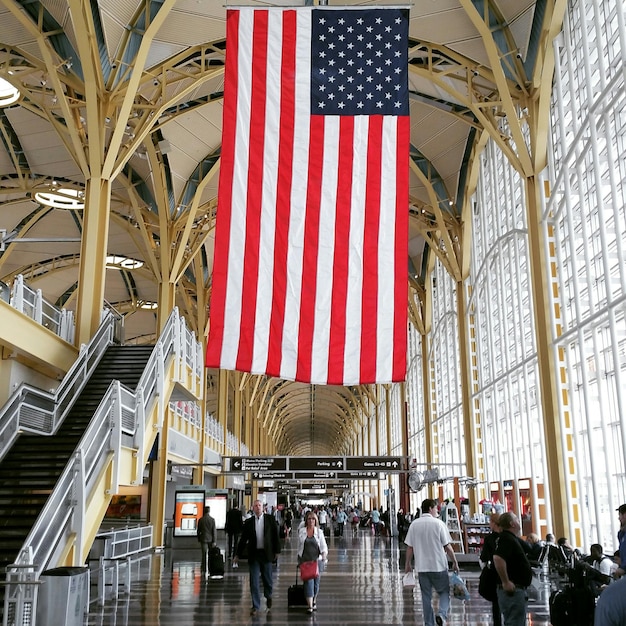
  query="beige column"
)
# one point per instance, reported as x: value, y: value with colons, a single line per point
x: 93, y: 251
x: 560, y: 480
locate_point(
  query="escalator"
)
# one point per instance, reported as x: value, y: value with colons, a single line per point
x: 31, y: 468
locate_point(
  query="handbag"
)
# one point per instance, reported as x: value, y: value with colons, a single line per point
x: 488, y: 582
x: 408, y: 580
x: 309, y: 570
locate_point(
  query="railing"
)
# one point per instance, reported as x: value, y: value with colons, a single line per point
x: 32, y: 303
x: 121, y: 412
x: 37, y: 411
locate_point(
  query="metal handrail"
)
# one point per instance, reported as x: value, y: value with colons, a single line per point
x: 37, y: 411
x: 121, y: 412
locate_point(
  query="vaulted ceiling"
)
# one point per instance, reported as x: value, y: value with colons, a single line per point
x: 133, y: 90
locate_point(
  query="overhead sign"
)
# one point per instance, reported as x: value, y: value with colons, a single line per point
x: 358, y: 475
x: 312, y: 463
x: 378, y: 463
x: 315, y: 475
x: 272, y: 475
x: 257, y: 463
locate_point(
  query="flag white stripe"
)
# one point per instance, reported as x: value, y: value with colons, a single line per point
x: 236, y: 249
x: 386, y: 251
x: 326, y: 250
x: 265, y: 283
x: 352, y: 354
x: 298, y: 195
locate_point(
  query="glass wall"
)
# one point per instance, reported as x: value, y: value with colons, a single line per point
x: 586, y: 212
x: 584, y: 221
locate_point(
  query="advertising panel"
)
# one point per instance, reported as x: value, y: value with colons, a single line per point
x: 189, y: 507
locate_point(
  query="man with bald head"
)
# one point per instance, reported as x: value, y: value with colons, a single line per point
x: 514, y: 571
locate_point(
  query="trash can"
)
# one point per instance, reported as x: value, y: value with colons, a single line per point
x: 63, y: 596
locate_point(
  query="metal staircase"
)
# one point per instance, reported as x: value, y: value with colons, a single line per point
x: 105, y: 441
x: 33, y: 465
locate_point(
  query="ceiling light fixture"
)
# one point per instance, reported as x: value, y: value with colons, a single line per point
x: 8, y: 93
x: 147, y: 304
x: 63, y: 198
x: 118, y: 262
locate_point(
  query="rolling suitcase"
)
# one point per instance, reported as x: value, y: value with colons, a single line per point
x: 295, y: 595
x: 216, y: 563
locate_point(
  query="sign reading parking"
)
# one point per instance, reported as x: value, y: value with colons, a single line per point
x: 313, y: 463
x: 377, y: 463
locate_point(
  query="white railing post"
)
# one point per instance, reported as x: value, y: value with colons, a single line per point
x: 160, y: 381
x: 78, y: 506
x: 38, y: 312
x: 140, y: 432
x: 17, y: 301
x: 116, y: 435
x: 179, y: 350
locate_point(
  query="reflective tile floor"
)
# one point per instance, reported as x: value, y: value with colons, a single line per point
x: 362, y: 585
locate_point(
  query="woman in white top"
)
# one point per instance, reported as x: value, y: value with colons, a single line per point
x: 312, y: 546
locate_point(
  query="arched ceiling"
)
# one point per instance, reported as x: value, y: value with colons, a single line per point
x: 140, y: 84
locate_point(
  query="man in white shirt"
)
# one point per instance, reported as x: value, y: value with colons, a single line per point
x: 429, y: 540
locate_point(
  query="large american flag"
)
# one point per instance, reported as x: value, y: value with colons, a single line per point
x: 310, y: 267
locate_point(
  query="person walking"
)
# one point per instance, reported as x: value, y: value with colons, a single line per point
x: 514, y: 571
x: 428, y: 539
x: 260, y: 537
x: 611, y: 606
x: 234, y: 525
x: 621, y: 538
x: 312, y: 547
x: 486, y: 559
x: 206, y: 537
x: 342, y: 518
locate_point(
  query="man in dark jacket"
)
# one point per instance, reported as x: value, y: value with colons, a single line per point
x: 514, y: 571
x: 260, y: 537
x: 206, y: 536
x: 234, y: 524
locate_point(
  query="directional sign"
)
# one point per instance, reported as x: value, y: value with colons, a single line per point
x: 378, y: 463
x: 272, y: 475
x: 338, y: 486
x: 358, y: 475
x: 313, y: 463
x: 258, y: 463
x: 315, y: 475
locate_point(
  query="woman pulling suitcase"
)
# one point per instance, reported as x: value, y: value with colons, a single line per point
x: 312, y: 556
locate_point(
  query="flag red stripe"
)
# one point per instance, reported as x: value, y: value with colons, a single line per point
x: 337, y: 338
x: 222, y: 228
x: 283, y: 197
x: 369, y: 311
x: 311, y: 249
x: 401, y: 249
x: 254, y: 191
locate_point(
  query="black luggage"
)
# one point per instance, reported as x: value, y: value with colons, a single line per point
x: 216, y: 563
x: 295, y: 595
x: 337, y: 532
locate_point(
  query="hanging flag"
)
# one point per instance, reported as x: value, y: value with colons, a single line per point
x: 311, y: 240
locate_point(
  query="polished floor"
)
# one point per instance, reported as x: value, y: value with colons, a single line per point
x: 362, y: 585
